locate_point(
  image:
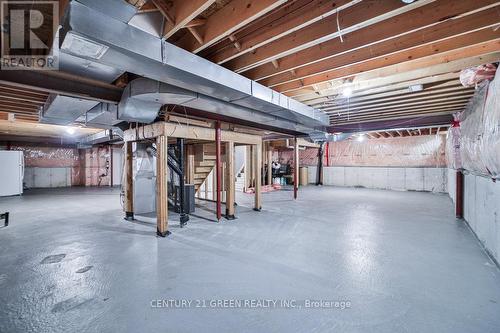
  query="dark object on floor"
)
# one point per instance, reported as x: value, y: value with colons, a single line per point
x: 5, y: 216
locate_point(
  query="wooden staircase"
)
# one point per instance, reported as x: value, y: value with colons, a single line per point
x: 204, y: 163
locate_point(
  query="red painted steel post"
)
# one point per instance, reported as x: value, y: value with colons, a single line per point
x: 327, y: 154
x: 296, y: 169
x: 218, y: 168
x: 459, y: 198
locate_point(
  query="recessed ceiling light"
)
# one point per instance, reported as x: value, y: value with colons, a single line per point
x: 347, y: 92
x: 416, y: 87
x: 70, y: 130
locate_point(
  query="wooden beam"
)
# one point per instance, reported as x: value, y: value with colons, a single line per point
x: 227, y: 20
x: 190, y: 164
x: 128, y: 204
x: 468, y: 45
x: 257, y: 163
x: 269, y: 164
x: 162, y: 186
x: 230, y: 180
x: 176, y: 130
x: 180, y: 13
x: 290, y: 18
x: 362, y: 14
x: 426, y: 16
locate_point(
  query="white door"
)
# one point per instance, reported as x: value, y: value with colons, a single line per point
x: 11, y: 172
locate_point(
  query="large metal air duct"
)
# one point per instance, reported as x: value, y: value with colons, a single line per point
x: 92, y: 33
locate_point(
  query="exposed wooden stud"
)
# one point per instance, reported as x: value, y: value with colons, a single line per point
x: 128, y: 204
x: 269, y: 164
x: 190, y: 164
x: 257, y: 163
x: 162, y: 186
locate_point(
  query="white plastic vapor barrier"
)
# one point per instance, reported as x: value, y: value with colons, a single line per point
x: 475, y: 146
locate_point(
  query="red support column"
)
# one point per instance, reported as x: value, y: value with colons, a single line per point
x: 218, y: 168
x: 327, y: 150
x: 296, y: 169
x: 459, y: 198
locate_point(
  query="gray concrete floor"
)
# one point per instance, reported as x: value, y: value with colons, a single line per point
x: 70, y: 263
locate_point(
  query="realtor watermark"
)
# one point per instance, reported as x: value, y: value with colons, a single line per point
x: 29, y: 35
x: 341, y: 304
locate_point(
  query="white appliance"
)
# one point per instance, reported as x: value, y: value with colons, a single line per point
x: 11, y: 172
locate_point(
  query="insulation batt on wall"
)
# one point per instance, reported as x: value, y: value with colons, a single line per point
x: 414, y: 151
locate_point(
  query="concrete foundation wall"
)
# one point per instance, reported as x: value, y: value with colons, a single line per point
x: 390, y: 178
x: 35, y: 177
x: 481, y: 209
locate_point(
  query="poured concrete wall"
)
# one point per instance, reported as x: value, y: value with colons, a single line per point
x: 481, y: 209
x: 389, y: 178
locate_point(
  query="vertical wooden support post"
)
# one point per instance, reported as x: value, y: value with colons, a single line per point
x: 269, y: 164
x: 190, y: 164
x: 128, y: 204
x: 230, y: 180
x: 459, y: 197
x: 161, y: 186
x: 257, y: 167
x: 295, y: 168
x: 218, y: 169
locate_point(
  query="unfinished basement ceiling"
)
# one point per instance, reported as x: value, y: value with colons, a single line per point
x: 314, y: 50
x: 368, y: 65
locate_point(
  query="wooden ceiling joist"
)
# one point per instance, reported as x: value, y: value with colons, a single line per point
x: 227, y: 20
x: 415, y: 112
x: 352, y: 113
x: 434, y: 65
x: 403, y: 101
x: 423, y: 17
x: 387, y: 117
x: 363, y: 14
x: 389, y: 96
x: 476, y: 28
x: 473, y: 44
x: 285, y: 21
x: 180, y: 13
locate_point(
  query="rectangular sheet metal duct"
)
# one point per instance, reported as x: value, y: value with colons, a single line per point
x: 119, y: 45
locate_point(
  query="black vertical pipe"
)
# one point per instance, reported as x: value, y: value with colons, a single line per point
x: 319, y: 176
x: 180, y: 148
